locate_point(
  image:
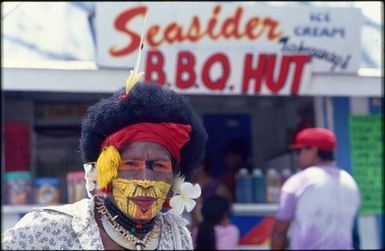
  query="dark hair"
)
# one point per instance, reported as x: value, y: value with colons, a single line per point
x: 214, y: 209
x: 325, y: 155
x: 145, y: 103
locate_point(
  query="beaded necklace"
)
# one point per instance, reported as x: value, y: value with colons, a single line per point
x: 122, y: 236
x: 124, y: 221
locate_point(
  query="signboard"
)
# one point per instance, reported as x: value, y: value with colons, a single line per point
x: 229, y: 48
x: 17, y: 146
x: 367, y: 149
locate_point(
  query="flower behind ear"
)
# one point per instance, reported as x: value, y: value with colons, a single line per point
x: 90, y: 176
x: 185, y: 199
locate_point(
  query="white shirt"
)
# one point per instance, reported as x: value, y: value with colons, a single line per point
x: 73, y: 227
x: 322, y: 203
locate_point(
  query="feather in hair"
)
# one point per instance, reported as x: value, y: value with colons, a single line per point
x: 107, y: 166
x: 134, y: 76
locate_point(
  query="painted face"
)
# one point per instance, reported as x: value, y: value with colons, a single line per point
x: 144, y: 179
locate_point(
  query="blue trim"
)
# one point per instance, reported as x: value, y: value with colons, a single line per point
x: 324, y: 111
x: 341, y: 114
x: 375, y: 106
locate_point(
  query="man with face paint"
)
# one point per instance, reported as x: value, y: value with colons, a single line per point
x: 138, y: 145
x: 141, y: 145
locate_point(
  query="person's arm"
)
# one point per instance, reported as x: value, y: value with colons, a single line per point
x: 285, y: 215
x: 279, y: 234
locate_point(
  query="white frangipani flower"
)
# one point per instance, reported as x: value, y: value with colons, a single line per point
x: 90, y: 185
x: 90, y: 171
x: 184, y: 199
x: 90, y: 176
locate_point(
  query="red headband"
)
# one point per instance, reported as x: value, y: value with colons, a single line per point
x: 170, y: 135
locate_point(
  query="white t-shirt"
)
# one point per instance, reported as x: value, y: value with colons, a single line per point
x: 322, y: 203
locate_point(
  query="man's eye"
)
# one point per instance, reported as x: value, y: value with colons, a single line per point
x: 130, y: 163
x: 158, y: 165
x: 162, y: 166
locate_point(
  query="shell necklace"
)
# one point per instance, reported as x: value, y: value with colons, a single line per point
x: 122, y: 236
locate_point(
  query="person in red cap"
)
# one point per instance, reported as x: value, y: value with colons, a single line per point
x: 319, y: 203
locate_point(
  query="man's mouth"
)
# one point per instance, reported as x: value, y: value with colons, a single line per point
x: 142, y: 201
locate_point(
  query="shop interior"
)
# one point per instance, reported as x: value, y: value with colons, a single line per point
x: 267, y: 124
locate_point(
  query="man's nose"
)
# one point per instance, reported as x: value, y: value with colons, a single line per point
x: 147, y: 173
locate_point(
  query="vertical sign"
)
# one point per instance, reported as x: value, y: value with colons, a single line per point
x: 17, y: 146
x: 366, y: 142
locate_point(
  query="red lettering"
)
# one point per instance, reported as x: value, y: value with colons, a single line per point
x: 231, y: 25
x: 250, y: 26
x: 256, y: 73
x: 299, y: 61
x: 212, y: 22
x: 276, y: 86
x: 193, y: 33
x: 221, y: 82
x: 154, y: 63
x: 173, y: 33
x: 272, y: 24
x: 265, y: 70
x: 121, y: 24
x: 151, y: 34
x: 185, y: 64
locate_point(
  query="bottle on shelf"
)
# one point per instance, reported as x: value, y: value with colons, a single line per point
x: 258, y: 186
x: 244, y: 187
x: 273, y: 185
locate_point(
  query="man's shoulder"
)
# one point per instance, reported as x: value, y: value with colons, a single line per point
x: 294, y: 181
x: 175, y: 223
x: 309, y: 173
x: 41, y: 217
x: 171, y: 219
x: 71, y: 210
x: 175, y: 234
x: 36, y: 229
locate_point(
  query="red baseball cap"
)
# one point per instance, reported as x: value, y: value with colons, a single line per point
x: 320, y: 138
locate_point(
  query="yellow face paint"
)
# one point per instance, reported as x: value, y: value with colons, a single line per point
x: 139, y: 199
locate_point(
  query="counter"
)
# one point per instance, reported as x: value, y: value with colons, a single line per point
x: 255, y: 223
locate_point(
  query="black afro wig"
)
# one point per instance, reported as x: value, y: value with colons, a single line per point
x: 146, y: 103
